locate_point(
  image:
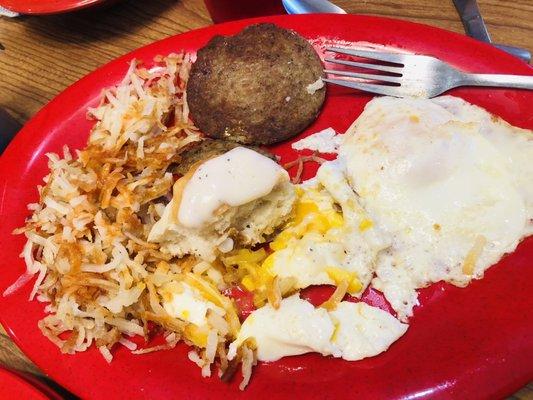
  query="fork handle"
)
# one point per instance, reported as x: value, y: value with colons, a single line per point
x: 497, y: 80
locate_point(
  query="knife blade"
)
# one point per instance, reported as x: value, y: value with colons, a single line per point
x: 311, y: 6
x: 472, y: 20
x: 475, y: 27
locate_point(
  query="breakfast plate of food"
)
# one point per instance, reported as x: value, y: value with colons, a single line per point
x: 206, y: 218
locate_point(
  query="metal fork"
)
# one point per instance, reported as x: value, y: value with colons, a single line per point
x: 413, y: 75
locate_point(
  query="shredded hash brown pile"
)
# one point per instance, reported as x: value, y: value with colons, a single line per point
x: 86, y: 238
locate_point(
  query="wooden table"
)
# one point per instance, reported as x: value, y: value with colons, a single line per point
x: 44, y: 55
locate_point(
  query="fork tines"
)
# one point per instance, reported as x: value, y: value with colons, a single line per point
x: 395, y: 58
x: 376, y: 86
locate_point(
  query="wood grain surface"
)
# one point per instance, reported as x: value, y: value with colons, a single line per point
x: 44, y: 55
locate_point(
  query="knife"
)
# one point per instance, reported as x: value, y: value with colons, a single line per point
x: 311, y: 6
x: 475, y: 27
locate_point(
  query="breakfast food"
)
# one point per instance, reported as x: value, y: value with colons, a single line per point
x: 238, y: 197
x: 260, y: 86
x: 328, y: 239
x: 151, y: 227
x: 207, y: 148
x: 449, y: 184
x: 324, y: 141
x: 351, y: 331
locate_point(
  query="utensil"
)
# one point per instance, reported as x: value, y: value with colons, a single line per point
x: 468, y: 11
x: 414, y: 75
x: 311, y: 6
x: 443, y: 346
x: 475, y: 27
x: 4, y: 12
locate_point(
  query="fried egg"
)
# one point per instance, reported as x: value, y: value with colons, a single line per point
x: 353, y: 331
x: 449, y: 184
x: 515, y: 144
x: 363, y: 331
x: 329, y: 237
x: 296, y: 327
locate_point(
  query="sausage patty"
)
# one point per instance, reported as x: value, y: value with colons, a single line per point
x: 253, y: 87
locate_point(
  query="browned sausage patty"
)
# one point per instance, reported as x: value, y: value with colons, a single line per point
x: 205, y: 149
x: 252, y: 87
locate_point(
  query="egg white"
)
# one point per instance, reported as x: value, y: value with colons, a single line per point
x: 351, y: 247
x: 353, y: 331
x: 296, y: 327
x: 186, y: 303
x: 436, y: 184
x: 364, y: 331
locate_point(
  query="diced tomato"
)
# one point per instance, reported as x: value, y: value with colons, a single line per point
x: 243, y: 299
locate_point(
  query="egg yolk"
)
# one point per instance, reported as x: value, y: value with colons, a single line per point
x: 365, y: 224
x: 307, y: 218
x: 254, y: 268
x: 196, y: 335
x: 339, y: 275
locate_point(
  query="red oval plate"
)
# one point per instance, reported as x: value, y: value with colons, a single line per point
x: 47, y: 6
x: 462, y: 343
